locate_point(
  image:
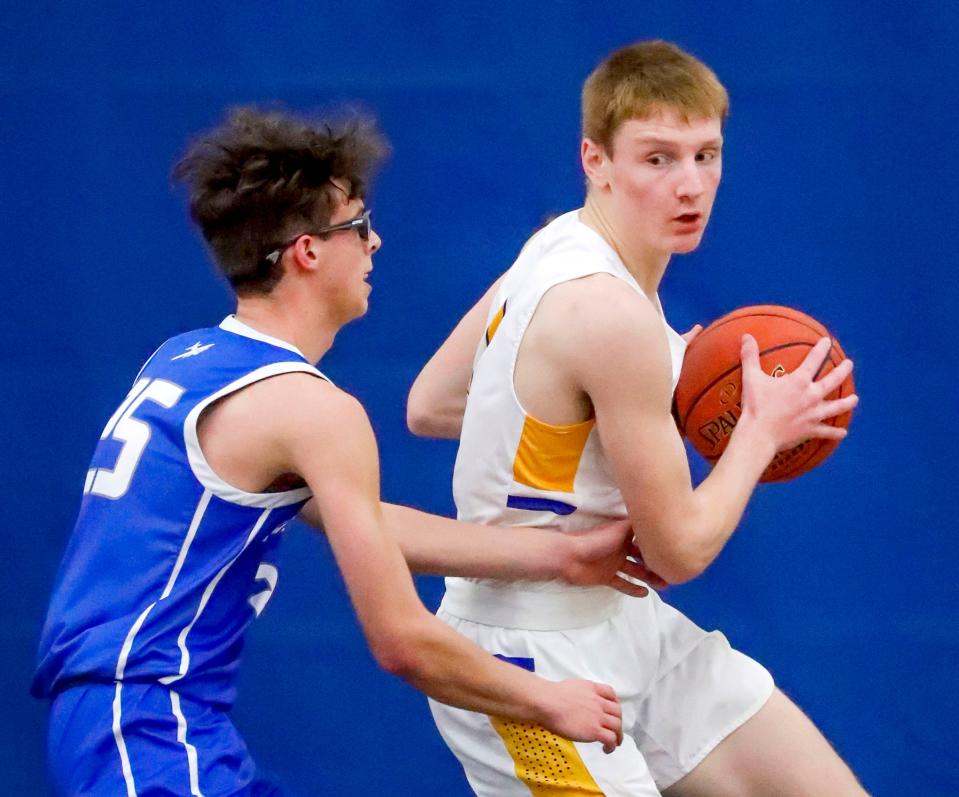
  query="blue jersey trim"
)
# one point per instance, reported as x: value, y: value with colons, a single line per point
x: 539, y: 504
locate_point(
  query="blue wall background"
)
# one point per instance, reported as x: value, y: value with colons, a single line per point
x: 840, y: 197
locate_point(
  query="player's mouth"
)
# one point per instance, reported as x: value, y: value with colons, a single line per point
x: 688, y: 223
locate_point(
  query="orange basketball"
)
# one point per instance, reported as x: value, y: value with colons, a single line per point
x: 709, y: 393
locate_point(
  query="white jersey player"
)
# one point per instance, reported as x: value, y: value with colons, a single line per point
x: 567, y: 419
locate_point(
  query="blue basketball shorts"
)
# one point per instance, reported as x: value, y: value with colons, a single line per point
x: 146, y: 740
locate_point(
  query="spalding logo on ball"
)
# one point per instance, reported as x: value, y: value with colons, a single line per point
x: 709, y: 393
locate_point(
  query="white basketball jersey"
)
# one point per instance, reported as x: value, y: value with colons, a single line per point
x: 513, y: 469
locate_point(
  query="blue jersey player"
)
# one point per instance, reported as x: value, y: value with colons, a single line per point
x: 226, y: 434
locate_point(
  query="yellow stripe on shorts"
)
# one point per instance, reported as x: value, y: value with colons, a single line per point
x: 548, y: 456
x: 550, y: 765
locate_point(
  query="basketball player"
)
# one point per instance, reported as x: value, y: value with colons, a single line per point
x: 567, y: 420
x: 225, y: 435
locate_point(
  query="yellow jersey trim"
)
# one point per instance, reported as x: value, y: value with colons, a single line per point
x: 548, y: 456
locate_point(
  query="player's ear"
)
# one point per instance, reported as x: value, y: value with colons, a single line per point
x: 305, y: 253
x: 595, y: 163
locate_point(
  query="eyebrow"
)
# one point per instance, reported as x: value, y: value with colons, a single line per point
x: 662, y: 142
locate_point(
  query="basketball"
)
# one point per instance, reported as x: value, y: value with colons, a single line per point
x: 709, y: 393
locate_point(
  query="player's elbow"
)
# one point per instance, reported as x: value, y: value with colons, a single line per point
x: 426, y: 417
x: 401, y: 652
x: 393, y: 656
x: 419, y: 420
x: 674, y: 567
x: 683, y: 569
x: 677, y: 557
x: 394, y: 661
x: 418, y: 410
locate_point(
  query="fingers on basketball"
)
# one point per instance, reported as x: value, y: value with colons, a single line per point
x: 729, y: 356
x: 815, y: 359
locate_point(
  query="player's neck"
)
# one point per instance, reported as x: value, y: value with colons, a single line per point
x: 286, y: 319
x: 647, y: 266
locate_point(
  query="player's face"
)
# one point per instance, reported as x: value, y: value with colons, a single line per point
x: 347, y: 261
x: 662, y: 180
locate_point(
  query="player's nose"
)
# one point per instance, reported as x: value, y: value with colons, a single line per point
x: 375, y: 241
x: 690, y: 184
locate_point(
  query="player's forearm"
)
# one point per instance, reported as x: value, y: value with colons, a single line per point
x: 441, y: 546
x: 408, y: 641
x: 437, y: 399
x: 452, y: 670
x: 717, y: 505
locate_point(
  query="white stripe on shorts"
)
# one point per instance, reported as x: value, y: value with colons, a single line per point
x: 121, y: 745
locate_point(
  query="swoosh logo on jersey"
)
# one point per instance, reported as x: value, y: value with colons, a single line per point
x: 193, y: 351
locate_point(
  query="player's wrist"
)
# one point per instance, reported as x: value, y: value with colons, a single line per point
x: 754, y: 434
x: 545, y: 703
x: 526, y: 696
x: 565, y: 562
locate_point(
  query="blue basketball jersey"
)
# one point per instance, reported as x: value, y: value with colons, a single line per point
x: 168, y: 564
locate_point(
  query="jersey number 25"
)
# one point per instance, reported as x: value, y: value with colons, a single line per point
x: 133, y: 433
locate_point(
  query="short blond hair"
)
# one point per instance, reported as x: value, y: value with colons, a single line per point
x: 640, y: 79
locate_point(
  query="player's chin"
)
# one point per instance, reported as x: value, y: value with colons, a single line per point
x: 363, y: 299
x: 686, y: 243
x: 360, y: 308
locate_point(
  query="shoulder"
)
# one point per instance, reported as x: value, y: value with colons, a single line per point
x: 302, y: 394
x: 295, y: 403
x: 600, y: 327
x: 314, y: 426
x: 598, y: 305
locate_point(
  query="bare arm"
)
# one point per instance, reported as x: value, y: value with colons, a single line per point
x: 435, y: 408
x: 437, y: 398
x: 324, y: 435
x: 679, y: 529
x: 440, y: 546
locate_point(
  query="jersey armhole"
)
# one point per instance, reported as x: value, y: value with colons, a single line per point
x: 202, y: 470
x: 529, y: 313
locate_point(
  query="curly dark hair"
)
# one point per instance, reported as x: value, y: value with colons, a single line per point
x: 262, y: 176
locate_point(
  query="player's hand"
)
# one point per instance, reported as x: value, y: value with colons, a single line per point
x: 793, y: 408
x: 584, y: 712
x: 604, y: 555
x: 690, y: 334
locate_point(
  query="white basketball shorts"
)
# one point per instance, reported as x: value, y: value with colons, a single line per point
x: 682, y: 691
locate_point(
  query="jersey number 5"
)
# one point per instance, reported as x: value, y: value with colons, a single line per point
x: 133, y: 433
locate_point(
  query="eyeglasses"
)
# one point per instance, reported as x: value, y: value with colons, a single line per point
x: 360, y: 223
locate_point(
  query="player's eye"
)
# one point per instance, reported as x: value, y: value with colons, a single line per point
x: 657, y: 159
x: 707, y: 156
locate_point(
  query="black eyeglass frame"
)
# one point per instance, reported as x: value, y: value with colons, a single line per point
x: 360, y: 223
